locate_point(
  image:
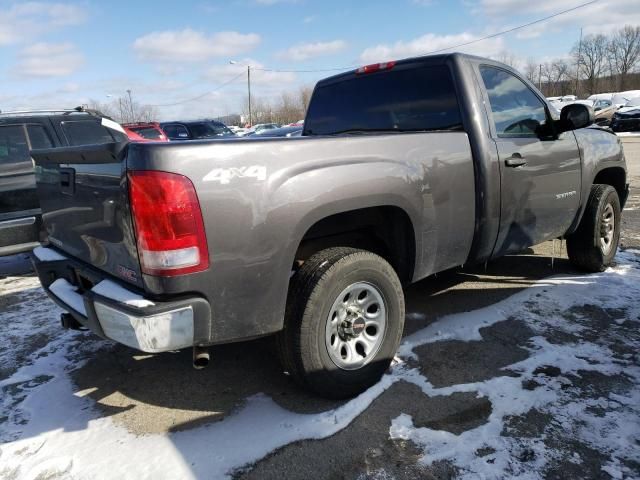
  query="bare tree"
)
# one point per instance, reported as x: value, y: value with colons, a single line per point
x: 508, y: 58
x: 123, y: 111
x: 590, y: 56
x: 625, y: 50
x: 556, y: 75
x: 532, y: 71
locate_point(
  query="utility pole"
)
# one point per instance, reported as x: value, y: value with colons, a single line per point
x: 131, y: 106
x: 249, y: 90
x: 233, y: 62
x: 540, y: 78
x: 578, y: 65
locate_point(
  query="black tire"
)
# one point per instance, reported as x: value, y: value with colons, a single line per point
x: 584, y: 246
x: 312, y: 292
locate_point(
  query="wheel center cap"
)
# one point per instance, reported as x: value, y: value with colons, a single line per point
x: 354, y: 324
x: 358, y: 326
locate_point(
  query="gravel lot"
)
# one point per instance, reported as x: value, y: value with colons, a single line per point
x: 504, y: 372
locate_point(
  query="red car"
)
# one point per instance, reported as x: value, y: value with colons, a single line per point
x: 145, y: 132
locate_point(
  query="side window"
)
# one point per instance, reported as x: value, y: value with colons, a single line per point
x: 13, y: 145
x: 38, y: 137
x: 176, y: 131
x: 517, y: 111
x: 86, y: 132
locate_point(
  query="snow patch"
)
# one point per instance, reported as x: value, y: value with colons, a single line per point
x: 68, y: 294
x: 45, y: 254
x: 112, y: 290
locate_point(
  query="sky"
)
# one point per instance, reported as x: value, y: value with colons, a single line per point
x: 57, y: 54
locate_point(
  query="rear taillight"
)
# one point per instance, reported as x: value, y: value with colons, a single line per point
x: 168, y: 222
x: 376, y: 67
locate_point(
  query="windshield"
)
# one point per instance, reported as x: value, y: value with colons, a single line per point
x: 404, y: 100
x: 209, y: 130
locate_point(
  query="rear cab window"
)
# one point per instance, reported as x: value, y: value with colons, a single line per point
x: 176, y: 131
x: 409, y: 99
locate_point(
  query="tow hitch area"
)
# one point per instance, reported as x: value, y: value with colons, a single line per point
x: 69, y: 323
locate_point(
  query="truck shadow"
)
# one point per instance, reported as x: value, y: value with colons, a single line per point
x: 159, y: 393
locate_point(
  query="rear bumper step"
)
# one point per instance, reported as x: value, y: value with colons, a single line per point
x: 117, y: 313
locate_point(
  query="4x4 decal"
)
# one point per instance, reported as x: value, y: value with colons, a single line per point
x: 225, y: 175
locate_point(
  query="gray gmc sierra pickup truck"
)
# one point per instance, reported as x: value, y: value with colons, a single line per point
x: 404, y: 169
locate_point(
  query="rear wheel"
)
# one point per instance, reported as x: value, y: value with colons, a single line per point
x: 593, y: 245
x: 344, y: 321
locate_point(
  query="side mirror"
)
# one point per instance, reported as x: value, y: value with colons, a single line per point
x: 575, y: 116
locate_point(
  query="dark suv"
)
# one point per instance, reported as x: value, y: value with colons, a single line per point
x: 21, y: 132
x: 196, y: 130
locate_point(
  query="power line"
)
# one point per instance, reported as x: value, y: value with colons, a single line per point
x: 493, y: 35
x: 337, y: 69
x: 200, y: 96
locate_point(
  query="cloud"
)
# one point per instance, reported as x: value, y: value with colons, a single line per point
x: 306, y: 51
x: 27, y: 20
x: 192, y: 46
x: 44, y: 60
x: 429, y: 43
x: 600, y: 17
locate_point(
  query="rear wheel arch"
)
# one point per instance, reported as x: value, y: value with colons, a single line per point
x: 387, y: 230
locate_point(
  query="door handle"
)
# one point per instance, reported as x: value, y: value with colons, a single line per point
x: 516, y: 160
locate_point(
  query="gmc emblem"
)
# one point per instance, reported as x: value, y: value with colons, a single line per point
x: 127, y: 273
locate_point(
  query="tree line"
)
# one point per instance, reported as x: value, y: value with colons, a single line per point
x: 597, y: 63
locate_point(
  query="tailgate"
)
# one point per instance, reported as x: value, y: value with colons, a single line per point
x: 85, y: 206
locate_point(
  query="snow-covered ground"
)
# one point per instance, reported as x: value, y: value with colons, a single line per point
x: 49, y: 429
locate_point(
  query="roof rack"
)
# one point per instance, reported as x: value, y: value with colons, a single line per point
x: 40, y: 112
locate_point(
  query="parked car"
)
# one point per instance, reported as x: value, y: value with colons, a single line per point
x: 277, y: 132
x: 196, y: 130
x: 263, y: 126
x: 603, y: 110
x: 239, y: 131
x: 627, y: 118
x: 311, y: 239
x: 621, y: 99
x: 20, y: 215
x: 145, y: 132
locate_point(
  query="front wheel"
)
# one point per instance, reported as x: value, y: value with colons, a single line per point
x: 593, y: 245
x: 344, y: 321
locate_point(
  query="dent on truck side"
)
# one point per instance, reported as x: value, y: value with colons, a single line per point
x: 600, y: 151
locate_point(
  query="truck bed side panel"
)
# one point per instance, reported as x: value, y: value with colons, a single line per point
x: 259, y: 197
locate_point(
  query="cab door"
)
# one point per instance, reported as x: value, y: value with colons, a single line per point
x: 540, y: 173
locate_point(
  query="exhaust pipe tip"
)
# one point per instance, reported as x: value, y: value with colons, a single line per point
x: 200, y: 357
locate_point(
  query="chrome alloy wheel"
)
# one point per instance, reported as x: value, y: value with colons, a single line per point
x: 356, y: 326
x: 607, y: 229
